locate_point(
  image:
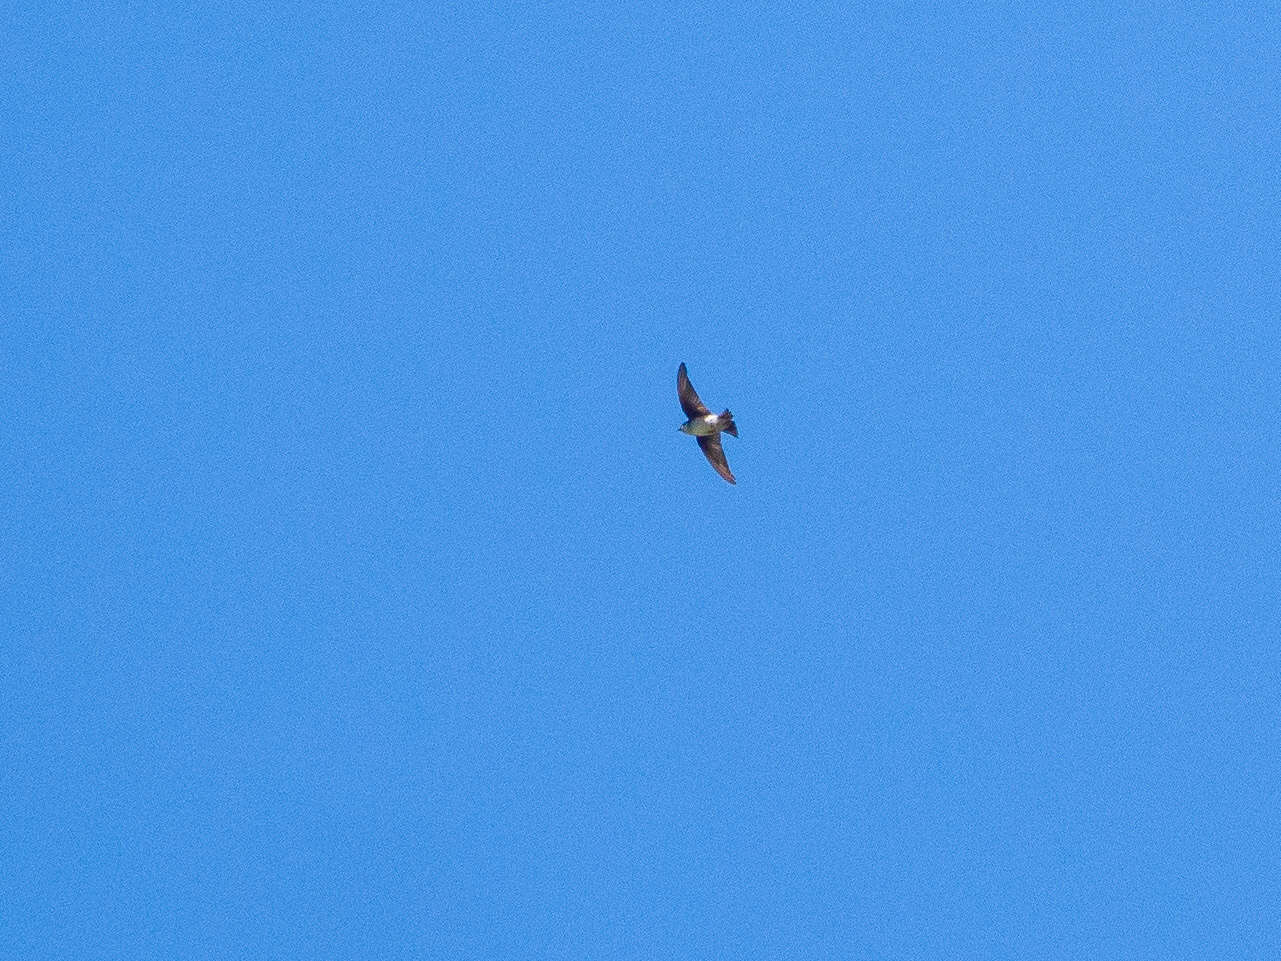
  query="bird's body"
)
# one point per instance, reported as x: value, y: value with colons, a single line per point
x: 705, y: 426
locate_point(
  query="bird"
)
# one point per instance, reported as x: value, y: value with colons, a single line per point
x: 705, y: 426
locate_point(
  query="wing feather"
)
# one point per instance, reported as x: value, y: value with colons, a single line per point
x: 690, y: 404
x: 715, y: 455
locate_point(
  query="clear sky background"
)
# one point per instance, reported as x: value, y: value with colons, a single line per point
x: 361, y: 599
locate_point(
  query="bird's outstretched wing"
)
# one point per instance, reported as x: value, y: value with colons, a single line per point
x: 715, y: 454
x: 690, y: 404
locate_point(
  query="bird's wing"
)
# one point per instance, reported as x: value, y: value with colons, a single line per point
x: 690, y: 404
x: 715, y: 454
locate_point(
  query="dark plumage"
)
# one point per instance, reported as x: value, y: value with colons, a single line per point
x: 705, y: 426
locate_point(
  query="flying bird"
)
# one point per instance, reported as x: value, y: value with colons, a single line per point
x: 704, y: 425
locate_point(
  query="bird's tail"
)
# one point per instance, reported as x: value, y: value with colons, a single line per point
x: 731, y: 427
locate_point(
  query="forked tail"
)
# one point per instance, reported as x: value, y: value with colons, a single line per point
x: 731, y: 427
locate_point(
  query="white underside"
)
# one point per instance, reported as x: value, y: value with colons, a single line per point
x: 703, y: 426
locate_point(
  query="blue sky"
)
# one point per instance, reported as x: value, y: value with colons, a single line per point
x: 363, y: 601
